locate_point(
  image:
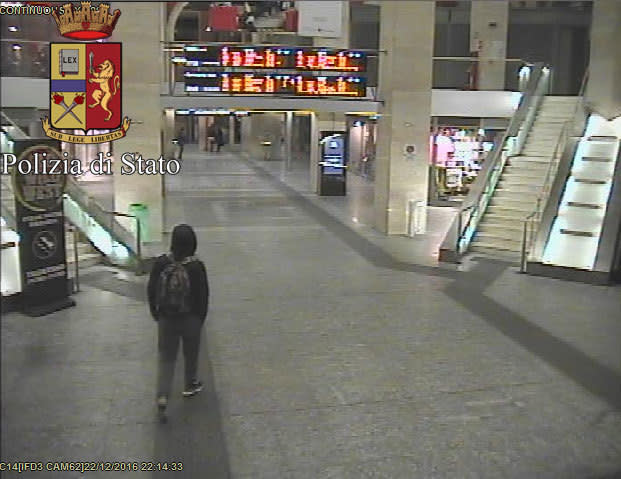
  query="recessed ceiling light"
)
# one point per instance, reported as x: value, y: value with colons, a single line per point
x: 13, y: 28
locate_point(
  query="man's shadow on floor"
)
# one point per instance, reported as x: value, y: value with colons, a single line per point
x: 193, y: 435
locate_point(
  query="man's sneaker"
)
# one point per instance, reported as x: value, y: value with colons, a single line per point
x: 162, y: 403
x: 193, y: 388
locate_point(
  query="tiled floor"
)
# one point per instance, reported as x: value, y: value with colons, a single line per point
x: 329, y: 352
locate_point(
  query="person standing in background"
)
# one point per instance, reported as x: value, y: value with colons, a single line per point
x: 211, y: 137
x: 181, y: 139
x: 219, y: 138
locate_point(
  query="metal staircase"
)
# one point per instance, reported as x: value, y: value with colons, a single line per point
x: 522, y: 180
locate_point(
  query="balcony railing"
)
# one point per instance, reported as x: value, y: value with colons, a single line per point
x: 30, y: 58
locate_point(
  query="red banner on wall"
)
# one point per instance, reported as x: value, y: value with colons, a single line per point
x: 223, y: 19
x: 291, y: 20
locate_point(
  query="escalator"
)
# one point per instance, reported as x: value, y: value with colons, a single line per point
x: 93, y: 234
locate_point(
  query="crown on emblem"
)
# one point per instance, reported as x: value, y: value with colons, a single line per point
x: 86, y: 23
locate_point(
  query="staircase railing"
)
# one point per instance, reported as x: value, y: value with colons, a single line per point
x: 510, y: 144
x: 531, y: 222
x: 534, y: 217
x: 89, y: 211
x: 6, y: 212
x: 101, y: 227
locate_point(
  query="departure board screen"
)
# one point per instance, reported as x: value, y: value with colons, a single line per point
x: 285, y: 58
x: 260, y: 84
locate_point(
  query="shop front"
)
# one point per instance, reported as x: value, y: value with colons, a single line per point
x: 457, y: 154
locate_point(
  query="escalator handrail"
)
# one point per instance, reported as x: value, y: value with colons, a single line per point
x: 116, y: 230
x: 105, y: 219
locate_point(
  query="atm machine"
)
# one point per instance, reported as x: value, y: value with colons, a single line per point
x: 332, y: 167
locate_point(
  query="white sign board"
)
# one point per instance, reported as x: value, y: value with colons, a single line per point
x: 320, y: 18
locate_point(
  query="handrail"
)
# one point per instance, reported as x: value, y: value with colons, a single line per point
x: 103, y: 218
x: 534, y: 216
x: 542, y: 197
x: 524, y: 235
x: 5, y: 212
x: 510, y: 144
x: 138, y: 237
x: 87, y: 203
x: 14, y: 125
x: 76, y: 260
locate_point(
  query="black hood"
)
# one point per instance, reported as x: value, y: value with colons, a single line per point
x: 183, y: 242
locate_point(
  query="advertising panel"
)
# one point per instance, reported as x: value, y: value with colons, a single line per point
x: 41, y: 228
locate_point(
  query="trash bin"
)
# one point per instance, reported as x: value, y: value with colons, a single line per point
x: 416, y: 219
x: 141, y: 212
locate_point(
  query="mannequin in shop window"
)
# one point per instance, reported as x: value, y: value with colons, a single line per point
x: 444, y: 149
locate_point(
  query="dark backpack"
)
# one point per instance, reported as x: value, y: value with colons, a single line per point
x: 173, y: 288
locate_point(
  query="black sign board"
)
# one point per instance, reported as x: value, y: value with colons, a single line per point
x: 307, y: 85
x: 41, y: 227
x: 276, y: 58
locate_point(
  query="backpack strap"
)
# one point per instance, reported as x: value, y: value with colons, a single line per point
x: 184, y: 261
x: 189, y: 259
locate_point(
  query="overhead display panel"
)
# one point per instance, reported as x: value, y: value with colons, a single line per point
x: 269, y: 70
x: 306, y: 85
x: 281, y: 58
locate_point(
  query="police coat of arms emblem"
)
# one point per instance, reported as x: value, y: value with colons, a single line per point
x: 85, y: 80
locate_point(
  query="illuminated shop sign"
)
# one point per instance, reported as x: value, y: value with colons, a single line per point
x: 285, y: 58
x: 257, y: 84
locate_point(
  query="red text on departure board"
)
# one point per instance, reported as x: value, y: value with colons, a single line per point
x: 252, y: 57
x: 324, y: 61
x: 298, y: 85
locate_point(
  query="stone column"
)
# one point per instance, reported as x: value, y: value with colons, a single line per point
x: 489, y: 22
x: 406, y: 36
x: 138, y: 29
x: 314, y: 153
x: 202, y: 133
x: 246, y: 134
x: 288, y: 138
x: 231, y: 133
x: 604, y: 87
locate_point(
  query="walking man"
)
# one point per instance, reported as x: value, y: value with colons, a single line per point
x: 181, y: 142
x: 178, y: 293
